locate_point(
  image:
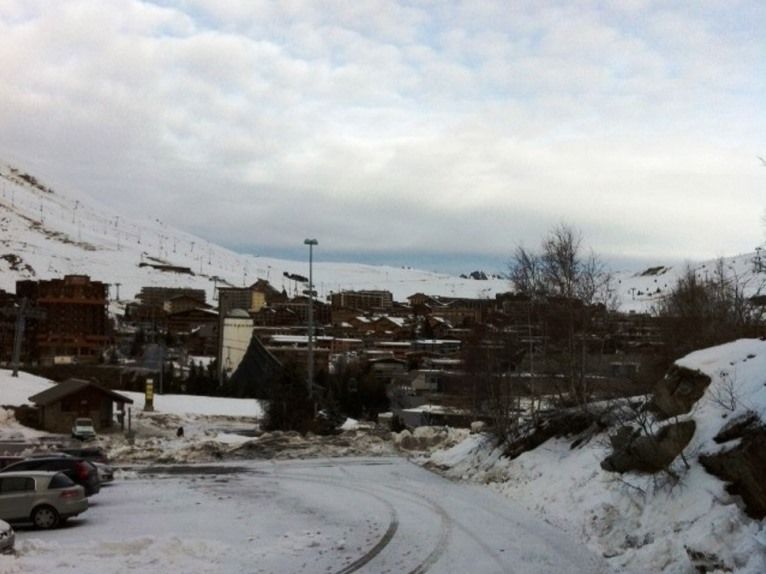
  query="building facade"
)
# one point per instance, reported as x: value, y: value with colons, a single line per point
x: 75, y: 327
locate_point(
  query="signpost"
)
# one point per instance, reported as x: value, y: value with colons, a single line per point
x: 149, y: 396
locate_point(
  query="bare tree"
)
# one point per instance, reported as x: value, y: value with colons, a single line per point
x: 525, y: 271
x: 708, y: 307
x: 562, y: 269
x: 581, y: 285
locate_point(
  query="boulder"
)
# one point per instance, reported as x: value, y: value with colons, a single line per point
x: 744, y: 468
x: 738, y: 427
x: 651, y: 453
x: 561, y: 423
x: 678, y: 391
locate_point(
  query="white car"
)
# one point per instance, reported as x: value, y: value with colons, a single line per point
x: 7, y: 537
x: 46, y: 499
x: 83, y: 428
x: 105, y: 471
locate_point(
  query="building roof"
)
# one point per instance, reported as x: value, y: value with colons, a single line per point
x: 71, y: 386
x: 238, y: 314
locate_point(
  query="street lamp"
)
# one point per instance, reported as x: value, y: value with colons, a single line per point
x: 310, y: 379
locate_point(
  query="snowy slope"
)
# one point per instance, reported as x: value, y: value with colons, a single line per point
x: 641, y: 523
x: 48, y: 232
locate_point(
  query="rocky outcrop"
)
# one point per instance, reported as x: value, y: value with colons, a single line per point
x: 738, y: 427
x: 676, y: 393
x: 563, y: 423
x: 744, y: 468
x: 651, y: 453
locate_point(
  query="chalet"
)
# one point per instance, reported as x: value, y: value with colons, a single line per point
x: 185, y: 321
x: 388, y: 369
x: 183, y: 302
x: 157, y: 296
x: 436, y: 346
x: 61, y: 404
x: 390, y: 327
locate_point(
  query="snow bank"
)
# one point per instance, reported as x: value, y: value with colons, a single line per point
x: 640, y: 523
x: 428, y: 438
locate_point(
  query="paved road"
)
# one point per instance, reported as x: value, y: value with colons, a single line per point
x: 377, y: 515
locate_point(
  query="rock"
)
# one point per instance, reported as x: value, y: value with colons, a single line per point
x: 562, y: 423
x: 705, y: 561
x: 738, y: 427
x: 677, y: 393
x: 478, y: 426
x: 744, y: 468
x: 650, y: 453
x: 623, y: 437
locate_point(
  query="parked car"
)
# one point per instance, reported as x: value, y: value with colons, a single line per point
x: 83, y: 429
x: 93, y: 455
x: 105, y: 472
x: 80, y: 471
x: 44, y: 498
x: 89, y: 453
x: 6, y: 460
x: 7, y: 537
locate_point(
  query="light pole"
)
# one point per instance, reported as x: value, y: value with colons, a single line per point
x: 310, y: 378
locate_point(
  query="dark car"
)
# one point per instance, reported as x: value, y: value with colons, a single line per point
x: 89, y: 453
x: 78, y: 470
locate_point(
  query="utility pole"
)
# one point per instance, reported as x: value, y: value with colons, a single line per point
x: 21, y: 313
x: 310, y: 378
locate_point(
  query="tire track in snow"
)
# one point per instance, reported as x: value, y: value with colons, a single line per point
x: 388, y: 535
x: 445, y: 521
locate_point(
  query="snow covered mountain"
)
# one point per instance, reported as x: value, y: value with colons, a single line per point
x: 48, y: 232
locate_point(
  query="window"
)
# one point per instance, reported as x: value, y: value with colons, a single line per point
x: 16, y: 484
x: 60, y: 481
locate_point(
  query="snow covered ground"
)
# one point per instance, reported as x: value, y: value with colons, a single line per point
x: 381, y: 515
x: 638, y: 523
x: 641, y: 523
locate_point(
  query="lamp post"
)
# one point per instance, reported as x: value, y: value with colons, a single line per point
x: 310, y: 378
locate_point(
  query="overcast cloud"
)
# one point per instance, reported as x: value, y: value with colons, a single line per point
x: 441, y: 132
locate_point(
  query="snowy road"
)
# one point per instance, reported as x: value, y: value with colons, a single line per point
x: 380, y: 515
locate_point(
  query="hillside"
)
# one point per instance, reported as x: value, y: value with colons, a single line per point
x: 643, y: 522
x: 48, y: 232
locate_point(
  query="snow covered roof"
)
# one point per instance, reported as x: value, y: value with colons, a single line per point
x: 72, y: 386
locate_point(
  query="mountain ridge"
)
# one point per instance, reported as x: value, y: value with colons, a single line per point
x: 46, y: 232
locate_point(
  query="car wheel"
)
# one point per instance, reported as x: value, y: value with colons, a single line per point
x: 45, y: 517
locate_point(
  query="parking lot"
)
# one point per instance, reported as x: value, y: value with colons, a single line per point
x: 323, y: 515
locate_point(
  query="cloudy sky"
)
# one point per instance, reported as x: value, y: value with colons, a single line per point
x: 430, y: 133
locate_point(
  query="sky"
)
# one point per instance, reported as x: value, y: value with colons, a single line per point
x: 423, y: 133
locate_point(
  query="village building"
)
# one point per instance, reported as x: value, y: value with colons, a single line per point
x: 235, y: 335
x: 184, y: 322
x: 75, y: 327
x: 362, y: 300
x: 157, y: 296
x: 179, y: 303
x: 60, y: 405
x: 8, y: 312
